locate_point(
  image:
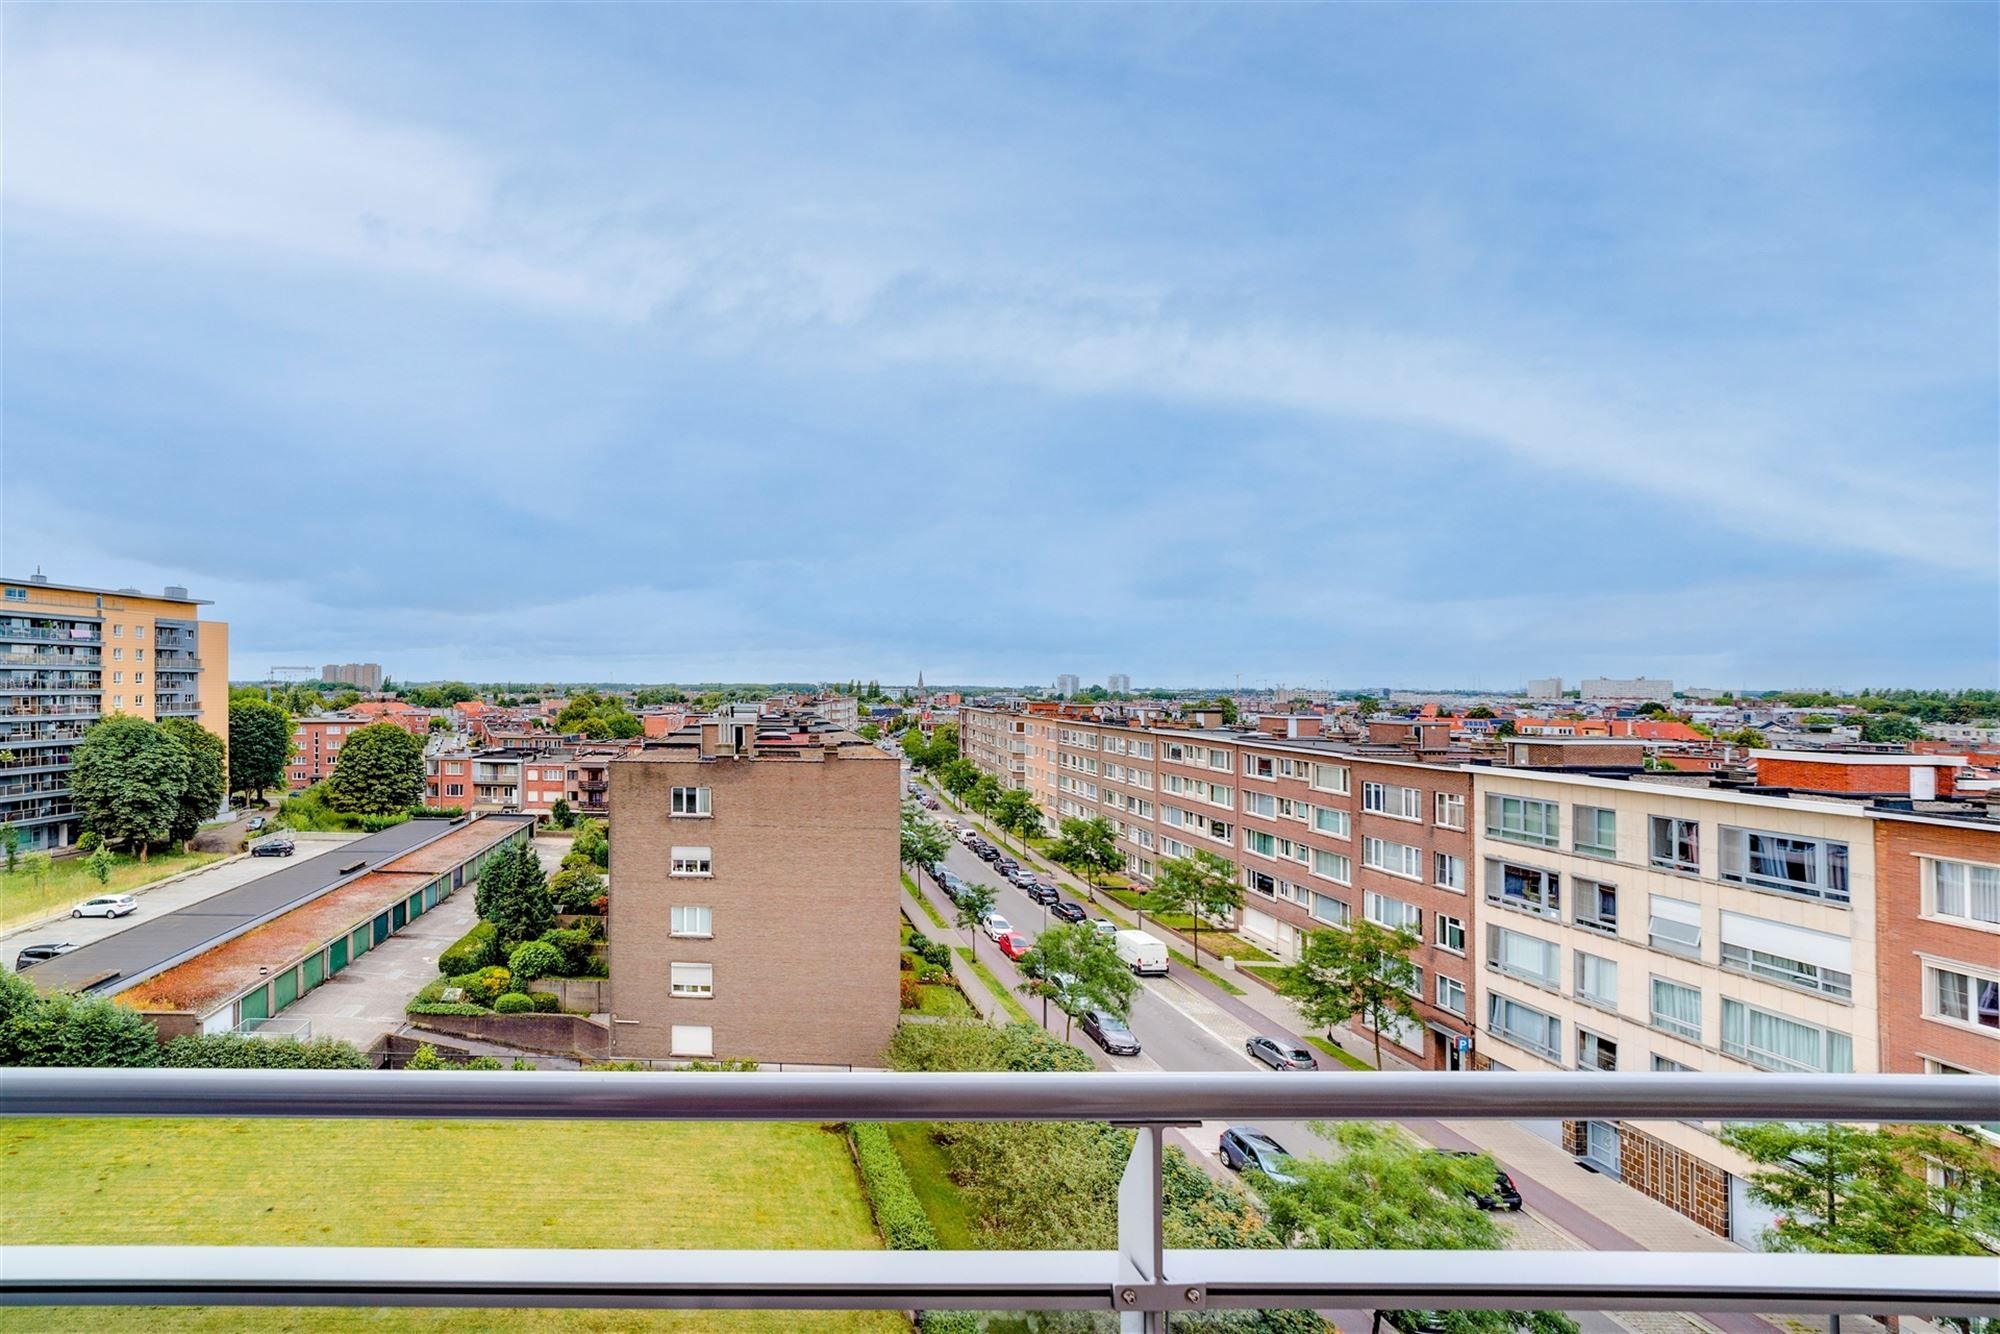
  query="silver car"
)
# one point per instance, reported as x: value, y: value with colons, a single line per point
x: 106, y: 905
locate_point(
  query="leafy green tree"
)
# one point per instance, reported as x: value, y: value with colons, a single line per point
x: 1746, y: 736
x: 439, y: 724
x: 1506, y: 727
x: 1652, y: 708
x: 957, y: 776
x: 100, y: 863
x: 1366, y: 705
x: 1871, y: 1190
x: 973, y: 903
x: 1363, y: 971
x: 128, y: 779
x: 591, y: 842
x: 1089, y: 848
x: 1384, y: 1192
x: 10, y: 845
x: 380, y: 770
x: 519, y: 904
x: 984, y: 794
x: 1078, y: 969
x: 924, y: 843
x: 1479, y: 711
x: 207, y: 778
x: 1017, y: 813
x: 67, y: 1030
x: 574, y: 887
x: 1891, y: 729
x: 914, y: 748
x: 868, y: 732
x: 560, y: 815
x: 1200, y: 885
x: 260, y: 746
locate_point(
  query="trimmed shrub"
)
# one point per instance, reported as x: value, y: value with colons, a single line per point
x: 233, y: 1051
x: 88, y: 842
x: 898, y: 1213
x: 933, y: 952
x: 574, y: 947
x: 485, y: 985
x: 546, y: 1002
x: 947, y: 1322
x: 476, y: 949
x: 536, y: 958
x: 513, y: 1002
x: 375, y: 824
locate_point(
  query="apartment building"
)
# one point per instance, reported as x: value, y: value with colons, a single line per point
x: 1634, y: 687
x: 755, y: 864
x: 69, y: 654
x: 316, y: 743
x: 528, y: 776
x: 361, y: 675
x: 1320, y: 831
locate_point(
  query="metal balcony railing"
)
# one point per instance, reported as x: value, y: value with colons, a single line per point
x: 1141, y: 1279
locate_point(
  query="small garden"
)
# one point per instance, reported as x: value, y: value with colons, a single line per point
x: 926, y: 982
x: 521, y: 939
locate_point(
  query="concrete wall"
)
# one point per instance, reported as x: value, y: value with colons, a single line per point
x: 557, y: 1034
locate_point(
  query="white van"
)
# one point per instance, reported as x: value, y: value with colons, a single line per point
x: 1142, y: 953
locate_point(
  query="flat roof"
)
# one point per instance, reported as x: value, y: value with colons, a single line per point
x: 184, y: 600
x: 154, y: 944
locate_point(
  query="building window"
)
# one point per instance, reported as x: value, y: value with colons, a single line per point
x: 1962, y: 994
x: 1665, y: 1066
x: 1594, y: 1052
x: 1261, y: 883
x: 688, y: 801
x: 117, y: 655
x: 1676, y: 844
x: 118, y: 632
x: 1450, y: 933
x: 1399, y: 859
x: 1330, y: 910
x: 1596, y: 906
x: 1773, y: 1042
x: 1596, y: 831
x: 692, y: 920
x: 118, y: 678
x: 1261, y: 843
x: 690, y: 861
x: 1791, y: 956
x: 1333, y: 866
x: 1524, y: 1026
x: 1260, y: 803
x: 1673, y: 925
x: 1962, y: 891
x: 1596, y: 981
x: 692, y: 1040
x: 691, y: 979
x: 1528, y: 888
x: 1450, y: 810
x: 1519, y: 820
x: 1450, y: 871
x: 1451, y: 995
x: 1529, y: 958
x: 1676, y: 1009
x: 1330, y: 778
x: 1401, y: 803
x: 1260, y: 766
x: 1815, y: 868
x: 1329, y: 820
x: 1393, y: 913
x: 450, y: 789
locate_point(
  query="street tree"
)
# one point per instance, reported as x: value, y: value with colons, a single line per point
x: 10, y: 845
x: 958, y: 776
x: 260, y: 746
x: 868, y: 732
x: 1200, y: 885
x: 974, y: 901
x: 100, y: 863
x: 984, y: 794
x: 1385, y: 1192
x: 1479, y: 711
x: 915, y: 749
x: 924, y: 843
x: 1365, y: 705
x: 1017, y: 813
x: 128, y: 779
x: 202, y: 796
x: 380, y: 770
x: 1089, y: 848
x: 1078, y: 969
x: 1871, y: 1190
x: 1362, y: 971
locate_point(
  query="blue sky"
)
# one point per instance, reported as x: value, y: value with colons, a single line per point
x: 1416, y: 344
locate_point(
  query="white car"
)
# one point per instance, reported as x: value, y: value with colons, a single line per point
x: 108, y: 905
x: 995, y: 926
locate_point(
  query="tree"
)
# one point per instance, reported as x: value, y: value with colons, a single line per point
x: 1883, y: 1190
x: 128, y: 779
x: 1479, y: 711
x: 260, y: 746
x: 1361, y: 972
x: 68, y: 1030
x: 984, y: 794
x: 1746, y: 736
x: 1365, y: 705
x: 1890, y: 729
x: 1506, y: 727
x: 1017, y: 813
x: 380, y: 770
x: 1089, y: 848
x: 868, y: 732
x: 439, y: 724
x: 974, y: 901
x: 1227, y: 706
x: 99, y: 863
x: 1077, y: 968
x: 914, y: 749
x: 1652, y: 708
x: 957, y: 776
x: 519, y: 904
x: 1201, y: 885
x: 575, y: 887
x: 924, y: 843
x: 202, y: 796
x: 591, y: 842
x: 1384, y: 1192
x: 10, y: 845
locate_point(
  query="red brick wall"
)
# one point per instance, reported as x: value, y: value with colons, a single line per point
x: 1809, y: 776
x: 1903, y: 933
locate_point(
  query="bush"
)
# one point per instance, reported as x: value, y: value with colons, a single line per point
x: 573, y: 887
x: 601, y: 904
x: 233, y: 1051
x: 574, y: 947
x: 947, y: 1322
x: 375, y: 824
x: 88, y: 842
x: 62, y: 1029
x: 476, y: 949
x: 912, y: 994
x: 727, y: 1065
x: 933, y: 952
x: 898, y: 1213
x: 444, y: 1007
x: 486, y: 985
x: 436, y: 812
x: 546, y: 1002
x: 536, y: 958
x: 513, y: 1002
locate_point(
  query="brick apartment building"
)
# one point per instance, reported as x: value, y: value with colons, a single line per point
x: 528, y: 777
x: 756, y: 902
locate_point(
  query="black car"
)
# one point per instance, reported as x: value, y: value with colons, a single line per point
x: 34, y: 954
x: 987, y: 852
x: 1109, y: 1032
x: 1040, y: 892
x: 1504, y: 1195
x: 1068, y: 911
x: 274, y: 847
x: 1246, y: 1147
x: 1280, y: 1055
x: 1006, y: 866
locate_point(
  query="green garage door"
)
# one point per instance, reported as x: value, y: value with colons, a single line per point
x: 399, y: 916
x: 284, y: 989
x: 257, y: 1005
x: 416, y: 905
x: 381, y: 928
x: 315, y: 971
x: 361, y: 941
x: 336, y: 957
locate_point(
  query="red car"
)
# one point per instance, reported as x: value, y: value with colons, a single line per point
x: 1014, y: 944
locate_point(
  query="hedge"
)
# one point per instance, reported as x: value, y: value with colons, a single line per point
x: 533, y: 959
x: 898, y: 1212
x: 546, y: 1002
x: 472, y: 951
x: 513, y: 1002
x: 233, y: 1051
x: 947, y: 1322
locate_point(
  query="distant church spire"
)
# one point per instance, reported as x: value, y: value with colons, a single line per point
x: 920, y: 678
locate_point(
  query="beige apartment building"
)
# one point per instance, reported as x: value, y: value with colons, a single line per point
x: 756, y: 890
x: 1650, y: 922
x: 69, y: 655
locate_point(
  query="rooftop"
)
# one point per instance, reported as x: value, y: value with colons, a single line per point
x: 165, y: 595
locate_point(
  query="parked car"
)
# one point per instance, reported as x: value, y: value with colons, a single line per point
x: 1040, y: 892
x: 1006, y: 866
x: 1109, y: 930
x: 106, y: 905
x: 952, y: 883
x: 1014, y: 944
x: 995, y: 926
x: 987, y: 852
x: 1246, y: 1147
x: 278, y: 846
x: 34, y: 954
x: 1022, y: 876
x: 1066, y: 910
x: 1109, y: 1032
x: 1504, y: 1195
x: 1280, y: 1055
x: 257, y: 822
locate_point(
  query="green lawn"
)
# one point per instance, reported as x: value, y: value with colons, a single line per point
x: 26, y: 896
x: 1338, y: 1053
x: 429, y: 1183
x: 996, y: 986
x: 930, y: 1177
x: 945, y: 1000
x: 1268, y: 972
x: 937, y: 919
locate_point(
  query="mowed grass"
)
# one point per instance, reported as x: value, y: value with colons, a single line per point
x: 28, y: 896
x: 930, y: 1176
x: 572, y: 1184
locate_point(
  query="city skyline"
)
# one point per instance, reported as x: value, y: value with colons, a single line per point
x: 1620, y: 341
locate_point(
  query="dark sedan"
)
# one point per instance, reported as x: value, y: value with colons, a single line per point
x: 1068, y: 911
x: 1280, y: 1055
x: 1109, y: 1032
x: 1504, y: 1195
x: 1040, y: 892
x: 35, y: 954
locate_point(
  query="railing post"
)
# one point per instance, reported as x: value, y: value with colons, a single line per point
x: 1143, y: 1297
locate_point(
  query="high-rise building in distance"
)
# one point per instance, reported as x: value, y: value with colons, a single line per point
x: 360, y: 675
x: 1118, y: 683
x: 1637, y: 687
x: 1067, y: 684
